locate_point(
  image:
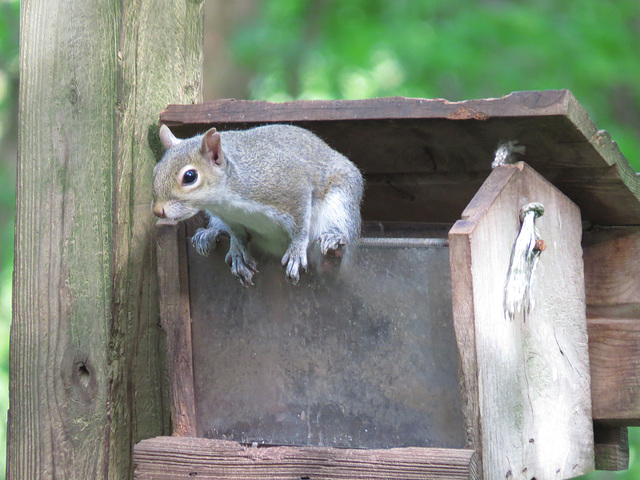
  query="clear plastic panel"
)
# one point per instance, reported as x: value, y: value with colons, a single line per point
x: 362, y: 356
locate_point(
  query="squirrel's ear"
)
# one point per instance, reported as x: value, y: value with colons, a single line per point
x: 167, y: 138
x: 211, y: 146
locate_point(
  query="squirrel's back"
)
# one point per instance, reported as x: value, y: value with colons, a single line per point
x: 279, y: 157
x: 279, y: 142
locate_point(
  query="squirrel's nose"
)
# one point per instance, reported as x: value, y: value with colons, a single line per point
x: 158, y: 211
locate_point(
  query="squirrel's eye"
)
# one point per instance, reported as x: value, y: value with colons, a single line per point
x: 189, y: 177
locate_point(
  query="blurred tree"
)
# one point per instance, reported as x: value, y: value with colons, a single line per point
x: 225, y: 79
x: 9, y: 21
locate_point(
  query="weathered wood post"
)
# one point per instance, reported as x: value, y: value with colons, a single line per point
x: 85, y: 369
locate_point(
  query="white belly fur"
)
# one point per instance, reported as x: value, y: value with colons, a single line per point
x: 262, y: 222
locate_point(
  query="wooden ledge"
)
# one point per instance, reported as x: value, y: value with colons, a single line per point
x: 165, y: 458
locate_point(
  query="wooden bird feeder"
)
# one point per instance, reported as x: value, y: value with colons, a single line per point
x: 408, y: 363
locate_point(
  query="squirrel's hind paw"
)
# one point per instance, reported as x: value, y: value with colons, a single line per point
x: 293, y: 265
x: 243, y: 267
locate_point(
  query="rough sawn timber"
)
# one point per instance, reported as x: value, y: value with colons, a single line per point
x: 527, y: 379
x: 614, y: 346
x: 612, y: 283
x: 86, y: 363
x: 612, y: 272
x: 168, y: 458
x: 611, y: 447
x: 176, y: 322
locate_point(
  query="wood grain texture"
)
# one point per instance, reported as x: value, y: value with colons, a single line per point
x: 168, y: 458
x: 414, y: 152
x: 533, y: 404
x: 612, y: 272
x: 85, y: 369
x: 231, y: 111
x: 614, y: 347
x: 612, y: 284
x: 611, y: 447
x: 176, y: 322
x: 159, y: 54
x: 60, y: 379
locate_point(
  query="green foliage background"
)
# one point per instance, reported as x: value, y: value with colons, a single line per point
x: 455, y: 49
x: 9, y: 14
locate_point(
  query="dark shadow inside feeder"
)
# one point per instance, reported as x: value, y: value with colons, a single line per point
x: 361, y: 355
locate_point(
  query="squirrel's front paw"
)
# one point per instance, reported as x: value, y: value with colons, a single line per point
x: 242, y: 266
x: 204, y: 240
x: 331, y: 241
x: 293, y: 264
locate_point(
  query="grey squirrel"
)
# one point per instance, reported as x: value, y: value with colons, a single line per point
x: 280, y: 186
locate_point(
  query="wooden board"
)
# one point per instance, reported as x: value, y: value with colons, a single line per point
x: 615, y: 380
x: 176, y: 322
x: 612, y: 283
x: 614, y: 346
x: 611, y: 448
x: 529, y: 403
x: 425, y: 159
x: 612, y: 272
x: 86, y: 366
x: 168, y: 458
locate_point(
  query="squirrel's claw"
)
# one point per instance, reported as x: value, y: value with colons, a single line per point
x: 244, y: 271
x: 242, y: 266
x: 294, y: 264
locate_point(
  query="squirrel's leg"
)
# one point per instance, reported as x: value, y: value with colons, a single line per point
x: 338, y: 214
x: 238, y: 258
x: 204, y: 240
x: 295, y: 258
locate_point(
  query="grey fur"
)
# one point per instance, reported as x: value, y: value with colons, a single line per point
x: 280, y: 186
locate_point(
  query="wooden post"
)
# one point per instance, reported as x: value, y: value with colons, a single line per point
x: 176, y: 322
x: 85, y: 367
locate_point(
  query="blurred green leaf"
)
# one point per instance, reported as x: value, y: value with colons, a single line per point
x: 9, y: 48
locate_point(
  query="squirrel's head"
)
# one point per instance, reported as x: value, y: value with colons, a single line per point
x: 189, y: 169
